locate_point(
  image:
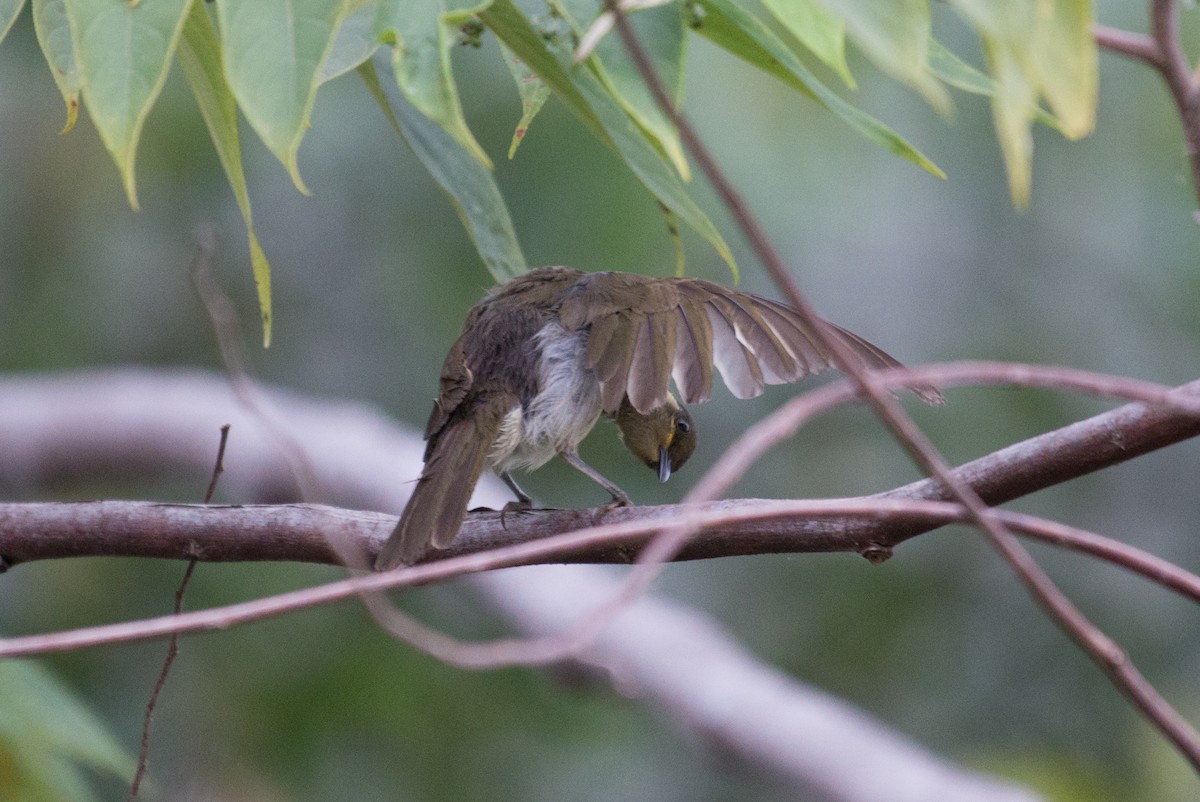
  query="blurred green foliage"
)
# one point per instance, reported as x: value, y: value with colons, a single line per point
x: 373, y: 274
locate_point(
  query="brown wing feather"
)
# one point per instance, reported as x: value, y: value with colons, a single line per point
x: 693, y: 368
x: 653, y: 358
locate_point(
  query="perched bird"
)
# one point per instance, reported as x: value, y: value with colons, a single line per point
x: 543, y: 356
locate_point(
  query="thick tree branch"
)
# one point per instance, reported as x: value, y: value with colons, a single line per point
x: 137, y: 421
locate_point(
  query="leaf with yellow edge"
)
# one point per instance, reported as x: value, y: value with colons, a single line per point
x: 422, y: 33
x: 1012, y: 107
x: 123, y: 51
x: 272, y: 52
x: 9, y: 9
x: 200, y: 57
x: 354, y: 43
x: 53, y: 30
x: 532, y: 90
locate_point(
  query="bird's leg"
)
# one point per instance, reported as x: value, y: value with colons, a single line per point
x: 523, y: 503
x: 619, y: 496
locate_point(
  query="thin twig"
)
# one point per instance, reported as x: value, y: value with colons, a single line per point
x: 219, y: 465
x: 225, y: 328
x: 152, y: 703
x: 1103, y: 650
x: 173, y: 644
x: 1137, y: 46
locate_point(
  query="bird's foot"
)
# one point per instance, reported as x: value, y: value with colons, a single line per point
x: 520, y: 507
x: 618, y: 500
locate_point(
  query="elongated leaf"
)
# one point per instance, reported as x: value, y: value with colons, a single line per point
x: 9, y: 9
x: 648, y: 164
x: 468, y: 183
x: 200, y: 57
x: 422, y: 36
x: 122, y: 52
x: 894, y: 34
x: 585, y: 95
x: 514, y: 31
x: 46, y: 734
x: 1064, y: 52
x: 354, y: 43
x: 533, y: 92
x: 53, y: 30
x: 1035, y: 48
x: 819, y: 30
x: 661, y: 33
x: 961, y: 75
x: 726, y: 24
x: 273, y: 51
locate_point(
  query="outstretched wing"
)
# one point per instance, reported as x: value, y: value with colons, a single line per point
x: 645, y: 331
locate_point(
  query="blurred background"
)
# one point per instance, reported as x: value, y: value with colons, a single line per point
x: 372, y: 277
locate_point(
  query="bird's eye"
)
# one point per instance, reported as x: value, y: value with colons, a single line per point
x: 683, y: 426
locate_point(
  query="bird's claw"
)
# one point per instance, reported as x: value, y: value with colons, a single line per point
x: 520, y: 507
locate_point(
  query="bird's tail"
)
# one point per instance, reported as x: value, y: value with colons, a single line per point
x: 455, y: 459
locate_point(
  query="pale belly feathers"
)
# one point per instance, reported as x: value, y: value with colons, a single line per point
x: 560, y: 415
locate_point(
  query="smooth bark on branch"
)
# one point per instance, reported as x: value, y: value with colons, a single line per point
x: 135, y: 421
x: 118, y: 433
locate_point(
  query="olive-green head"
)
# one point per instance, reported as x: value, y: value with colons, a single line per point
x: 663, y: 438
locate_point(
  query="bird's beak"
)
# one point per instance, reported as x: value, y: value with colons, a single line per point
x: 664, y: 464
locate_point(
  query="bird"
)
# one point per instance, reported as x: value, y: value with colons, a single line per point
x: 543, y: 356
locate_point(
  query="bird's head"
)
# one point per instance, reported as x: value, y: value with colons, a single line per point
x: 663, y: 438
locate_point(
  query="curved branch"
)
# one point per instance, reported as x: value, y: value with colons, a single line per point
x: 1163, y: 50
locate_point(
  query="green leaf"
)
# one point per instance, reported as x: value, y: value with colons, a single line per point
x: 894, y: 34
x: 469, y: 184
x: 9, y: 9
x: 273, y: 51
x: 354, y: 43
x: 1065, y: 56
x: 822, y: 32
x: 514, y: 31
x: 1035, y: 48
x: 1012, y: 107
x: 961, y: 75
x: 726, y: 24
x: 53, y: 30
x: 585, y: 95
x: 648, y: 164
x: 661, y: 33
x: 422, y: 34
x: 46, y: 734
x: 532, y: 90
x: 123, y: 51
x: 200, y: 57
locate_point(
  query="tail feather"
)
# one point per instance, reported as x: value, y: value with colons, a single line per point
x: 455, y: 459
